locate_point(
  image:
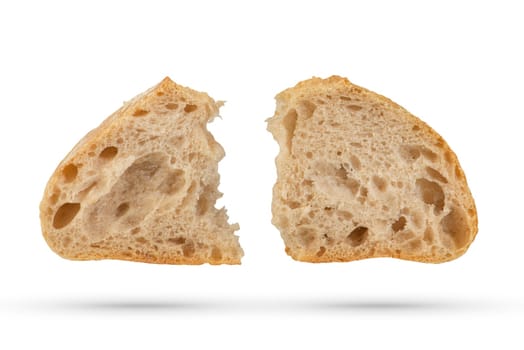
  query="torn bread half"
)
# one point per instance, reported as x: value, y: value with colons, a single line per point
x: 143, y: 186
x: 361, y: 177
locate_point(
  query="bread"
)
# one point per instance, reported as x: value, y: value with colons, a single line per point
x: 143, y: 185
x: 360, y: 177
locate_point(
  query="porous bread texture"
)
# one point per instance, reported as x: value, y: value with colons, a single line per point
x: 143, y: 185
x: 360, y: 177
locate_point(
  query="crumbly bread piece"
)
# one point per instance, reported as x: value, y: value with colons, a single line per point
x: 143, y: 185
x: 360, y: 177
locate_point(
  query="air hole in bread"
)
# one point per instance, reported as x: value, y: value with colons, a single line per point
x: 143, y: 169
x: 344, y: 215
x: 454, y: 225
x: 341, y: 172
x: 399, y: 224
x: 54, y: 197
x: 216, y: 254
x: 139, y: 112
x: 411, y: 153
x: 309, y: 155
x: 291, y: 204
x: 141, y: 240
x: 204, y: 201
x: 290, y: 122
x: 190, y: 108
x: 306, y: 109
x: 358, y: 236
x: 414, y: 245
x: 306, y: 235
x: 108, y: 153
x: 355, y: 162
x: 321, y: 251
x: 70, y: 171
x: 171, y: 106
x: 353, y: 108
x: 343, y: 180
x: 188, y: 249
x: 429, y: 236
x: 173, y: 182
x: 177, y: 240
x: 434, y: 174
x: 65, y: 214
x: 428, y: 154
x: 122, y: 209
x: 380, y: 183
x: 66, y: 241
x: 431, y: 193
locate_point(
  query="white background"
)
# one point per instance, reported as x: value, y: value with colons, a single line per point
x: 65, y: 66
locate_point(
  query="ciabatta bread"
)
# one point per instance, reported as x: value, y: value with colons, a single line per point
x: 360, y: 177
x: 143, y: 185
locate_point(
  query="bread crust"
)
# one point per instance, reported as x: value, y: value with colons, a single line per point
x: 165, y: 100
x: 334, y: 87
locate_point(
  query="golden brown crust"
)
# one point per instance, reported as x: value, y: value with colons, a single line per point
x: 333, y: 87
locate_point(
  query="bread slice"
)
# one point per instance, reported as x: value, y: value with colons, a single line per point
x: 360, y: 177
x: 143, y: 185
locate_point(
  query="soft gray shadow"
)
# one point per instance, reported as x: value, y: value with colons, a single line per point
x: 153, y: 305
x: 263, y: 305
x: 400, y: 305
x: 360, y: 305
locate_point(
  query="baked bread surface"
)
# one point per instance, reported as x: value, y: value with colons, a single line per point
x: 143, y: 185
x: 358, y: 177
